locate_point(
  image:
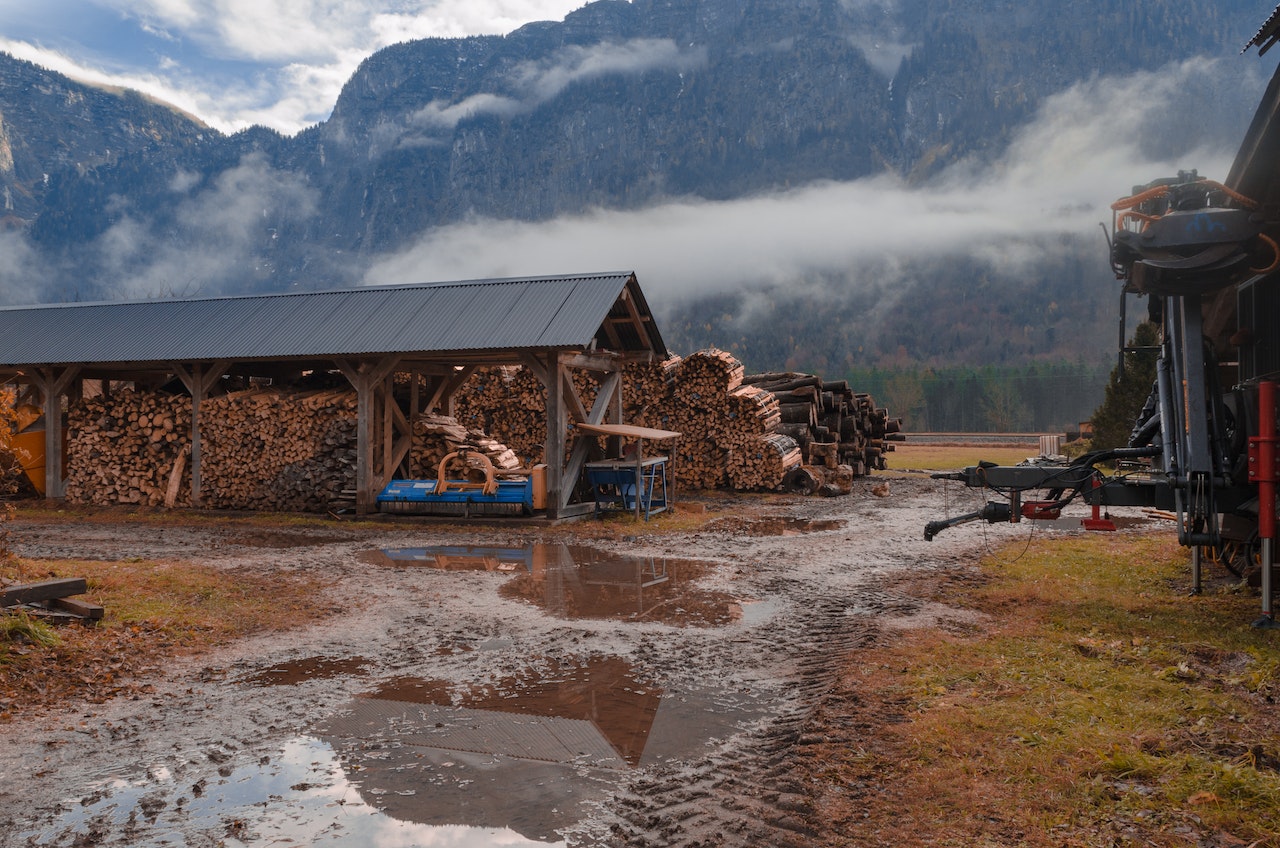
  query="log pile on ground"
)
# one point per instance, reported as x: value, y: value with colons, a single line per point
x: 828, y: 419
x: 510, y: 405
x: 124, y: 449
x: 262, y: 449
x: 275, y: 449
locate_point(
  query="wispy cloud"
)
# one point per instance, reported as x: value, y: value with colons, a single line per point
x: 534, y: 83
x: 218, y: 238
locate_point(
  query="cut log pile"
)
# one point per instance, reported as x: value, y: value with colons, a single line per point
x: 843, y: 424
x: 263, y: 449
x: 510, y: 405
x: 437, y: 436
x: 125, y: 448
x: 272, y: 449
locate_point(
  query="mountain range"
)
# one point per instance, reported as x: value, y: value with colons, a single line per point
x: 819, y: 184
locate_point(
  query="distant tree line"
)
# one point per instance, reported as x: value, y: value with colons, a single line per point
x: 1035, y: 397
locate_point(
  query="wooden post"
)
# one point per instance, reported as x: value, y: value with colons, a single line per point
x: 557, y: 496
x: 199, y: 383
x: 365, y: 377
x: 52, y: 384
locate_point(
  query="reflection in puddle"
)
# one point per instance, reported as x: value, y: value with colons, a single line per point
x: 576, y: 582
x: 455, y: 558
x: 312, y: 802
x: 597, y: 713
x: 527, y: 753
x: 583, y: 583
x: 312, y: 668
x: 421, y: 762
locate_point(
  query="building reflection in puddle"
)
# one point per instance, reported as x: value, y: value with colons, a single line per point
x: 525, y: 753
x: 577, y: 582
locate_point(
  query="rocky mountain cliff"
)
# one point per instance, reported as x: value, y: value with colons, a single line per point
x: 623, y: 105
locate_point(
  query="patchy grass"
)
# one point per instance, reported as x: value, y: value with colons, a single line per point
x: 1100, y: 705
x: 154, y: 610
x: 906, y: 456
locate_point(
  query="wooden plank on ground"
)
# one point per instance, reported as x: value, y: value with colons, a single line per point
x: 84, y: 609
x: 29, y: 593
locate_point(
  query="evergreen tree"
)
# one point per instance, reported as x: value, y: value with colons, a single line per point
x: 1113, y: 421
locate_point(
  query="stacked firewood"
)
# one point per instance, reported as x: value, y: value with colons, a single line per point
x: 278, y: 450
x: 509, y: 404
x: 124, y: 449
x: 738, y: 431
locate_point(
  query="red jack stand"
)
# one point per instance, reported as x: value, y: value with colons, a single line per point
x: 1097, y: 522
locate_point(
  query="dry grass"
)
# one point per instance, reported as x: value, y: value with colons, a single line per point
x: 1101, y: 706
x: 906, y: 456
x: 154, y: 610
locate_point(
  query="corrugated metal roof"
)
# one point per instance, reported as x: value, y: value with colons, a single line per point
x: 1267, y: 35
x: 468, y: 316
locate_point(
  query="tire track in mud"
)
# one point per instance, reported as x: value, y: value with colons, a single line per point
x: 752, y: 789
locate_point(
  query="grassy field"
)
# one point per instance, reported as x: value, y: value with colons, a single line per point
x: 1096, y: 704
x: 909, y: 457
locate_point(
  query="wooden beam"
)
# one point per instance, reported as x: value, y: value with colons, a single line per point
x: 30, y: 593
x: 557, y: 496
x: 365, y: 377
x: 447, y: 388
x: 573, y: 403
x: 601, y: 362
x: 53, y: 382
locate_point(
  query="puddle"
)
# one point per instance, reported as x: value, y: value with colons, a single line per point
x: 576, y: 582
x: 778, y: 526
x: 599, y: 713
x: 312, y: 668
x: 312, y: 801
x: 421, y: 762
x: 528, y: 753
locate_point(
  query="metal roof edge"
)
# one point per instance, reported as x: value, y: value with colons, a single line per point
x: 624, y: 276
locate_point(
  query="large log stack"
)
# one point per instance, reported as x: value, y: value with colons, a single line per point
x: 842, y: 423
x: 737, y: 431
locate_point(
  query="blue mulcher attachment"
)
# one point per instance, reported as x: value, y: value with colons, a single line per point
x: 480, y: 490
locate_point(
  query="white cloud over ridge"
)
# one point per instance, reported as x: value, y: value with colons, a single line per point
x: 533, y: 83
x: 1086, y: 147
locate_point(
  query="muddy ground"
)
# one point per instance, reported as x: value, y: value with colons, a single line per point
x: 654, y: 690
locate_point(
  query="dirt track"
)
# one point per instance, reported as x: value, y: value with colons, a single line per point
x: 664, y: 698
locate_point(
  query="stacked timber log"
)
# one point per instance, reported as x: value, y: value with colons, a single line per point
x: 832, y: 424
x: 746, y: 432
x: 127, y: 448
